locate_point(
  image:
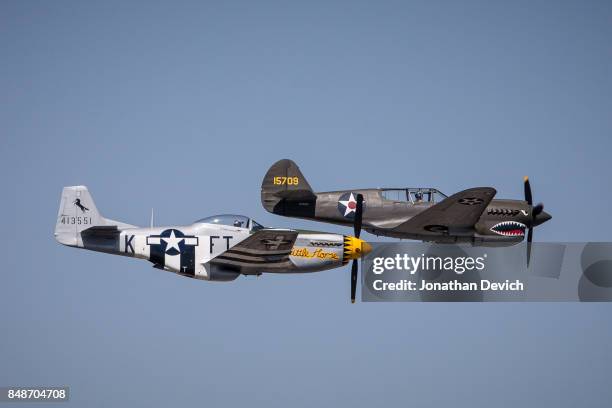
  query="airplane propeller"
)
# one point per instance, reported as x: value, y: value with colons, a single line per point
x: 357, y: 231
x: 538, y: 216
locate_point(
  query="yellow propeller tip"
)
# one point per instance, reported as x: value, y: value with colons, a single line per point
x: 526, y: 178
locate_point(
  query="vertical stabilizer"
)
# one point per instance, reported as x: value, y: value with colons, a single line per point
x: 78, y: 213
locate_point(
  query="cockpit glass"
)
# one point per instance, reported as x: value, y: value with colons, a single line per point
x: 394, y: 194
x: 425, y: 195
x: 232, y: 220
x: 239, y: 221
x: 255, y: 226
x: 438, y: 196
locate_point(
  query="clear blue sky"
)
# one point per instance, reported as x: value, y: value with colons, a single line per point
x: 183, y: 106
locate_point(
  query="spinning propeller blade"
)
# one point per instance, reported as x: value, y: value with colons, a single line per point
x: 527, y: 187
x: 358, y: 215
x: 354, y: 269
x: 538, y: 216
x: 357, y: 229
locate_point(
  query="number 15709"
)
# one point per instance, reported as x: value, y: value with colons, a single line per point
x: 290, y: 181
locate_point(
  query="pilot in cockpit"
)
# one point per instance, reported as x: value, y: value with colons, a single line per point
x: 418, y: 197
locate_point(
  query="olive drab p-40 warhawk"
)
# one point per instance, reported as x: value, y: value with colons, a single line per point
x: 218, y: 248
x: 469, y: 216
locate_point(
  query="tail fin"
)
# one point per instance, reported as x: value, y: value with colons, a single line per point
x: 285, y: 191
x: 78, y: 212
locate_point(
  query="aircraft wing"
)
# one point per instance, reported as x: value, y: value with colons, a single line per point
x: 266, y: 248
x: 457, y: 212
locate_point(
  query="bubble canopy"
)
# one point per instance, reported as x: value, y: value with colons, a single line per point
x: 232, y: 220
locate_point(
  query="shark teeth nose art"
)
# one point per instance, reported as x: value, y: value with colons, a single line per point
x: 509, y: 228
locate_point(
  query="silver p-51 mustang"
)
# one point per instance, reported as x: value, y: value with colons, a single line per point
x: 217, y: 248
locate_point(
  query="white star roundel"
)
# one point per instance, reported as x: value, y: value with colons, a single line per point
x: 347, y: 204
x: 172, y: 242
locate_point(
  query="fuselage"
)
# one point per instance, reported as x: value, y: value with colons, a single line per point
x: 502, y: 223
x: 217, y: 248
x: 187, y: 249
x: 403, y: 212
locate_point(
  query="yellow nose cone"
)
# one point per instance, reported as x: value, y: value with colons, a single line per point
x: 355, y: 248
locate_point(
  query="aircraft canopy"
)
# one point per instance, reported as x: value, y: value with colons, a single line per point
x: 233, y: 220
